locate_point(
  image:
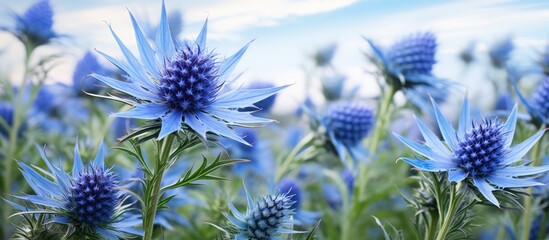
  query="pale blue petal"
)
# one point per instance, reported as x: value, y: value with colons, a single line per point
x: 519, y: 171
x: 136, y: 70
x: 63, y: 179
x: 249, y: 199
x: 379, y: 54
x: 430, y: 166
x: 148, y: 111
x: 446, y: 128
x: 171, y: 122
x: 235, y: 211
x: 39, y: 184
x: 235, y: 117
x: 242, y: 98
x: 486, y: 190
x: 432, y: 140
x: 164, y: 40
x: 127, y: 69
x: 518, y: 151
x: 146, y: 52
x: 512, y: 182
x: 128, y: 88
x: 78, y: 165
x: 219, y: 128
x: 228, y: 65
x: 464, y: 124
x: 424, y: 150
x: 529, y: 107
x: 100, y: 156
x: 234, y: 221
x: 457, y: 175
x: 196, y: 125
x: 509, y: 126
x: 201, y: 39
x: 42, y: 200
x: 108, y: 234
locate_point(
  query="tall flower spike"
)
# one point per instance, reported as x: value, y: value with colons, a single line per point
x: 184, y: 83
x: 88, y: 202
x: 34, y: 27
x: 346, y: 124
x: 407, y: 66
x: 265, y: 219
x: 479, y: 152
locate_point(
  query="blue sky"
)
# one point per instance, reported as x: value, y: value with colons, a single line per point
x: 287, y: 31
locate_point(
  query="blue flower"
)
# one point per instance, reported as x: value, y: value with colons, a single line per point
x: 323, y: 57
x: 88, y: 64
x: 183, y: 84
x: 500, y: 52
x: 407, y: 65
x: 333, y: 194
x: 292, y: 188
x: 538, y: 105
x: 478, y: 151
x: 467, y: 54
x: 332, y: 86
x: 265, y: 219
x: 346, y: 124
x: 34, y: 27
x: 89, y: 202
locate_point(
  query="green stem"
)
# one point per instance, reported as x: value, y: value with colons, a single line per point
x: 153, y: 194
x: 383, y: 116
x: 18, y: 117
x: 286, y: 163
x: 449, y: 216
x: 528, y: 204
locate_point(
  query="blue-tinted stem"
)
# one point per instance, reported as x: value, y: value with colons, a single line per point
x: 153, y: 193
x: 286, y: 163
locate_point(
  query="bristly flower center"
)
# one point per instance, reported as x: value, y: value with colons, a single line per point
x: 541, y: 99
x: 93, y: 197
x: 269, y: 214
x: 188, y: 81
x: 350, y: 122
x: 482, y: 149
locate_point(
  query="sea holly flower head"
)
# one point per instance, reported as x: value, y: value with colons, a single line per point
x: 35, y: 26
x: 407, y: 65
x: 479, y: 152
x: 266, y: 218
x: 346, y: 124
x: 183, y: 85
x: 89, y: 202
x: 323, y: 57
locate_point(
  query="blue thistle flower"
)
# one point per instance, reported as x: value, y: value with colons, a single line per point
x: 264, y: 219
x: 6, y: 117
x: 538, y: 105
x: 478, y: 151
x: 500, y: 52
x: 183, y: 84
x: 291, y: 188
x: 35, y: 26
x: 86, y: 65
x: 407, y: 66
x: 323, y: 57
x: 332, y: 86
x: 347, y: 123
x: 88, y: 202
x: 467, y: 54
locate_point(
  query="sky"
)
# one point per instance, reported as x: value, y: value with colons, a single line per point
x: 286, y: 33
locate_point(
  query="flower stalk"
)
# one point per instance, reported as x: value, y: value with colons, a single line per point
x: 153, y: 193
